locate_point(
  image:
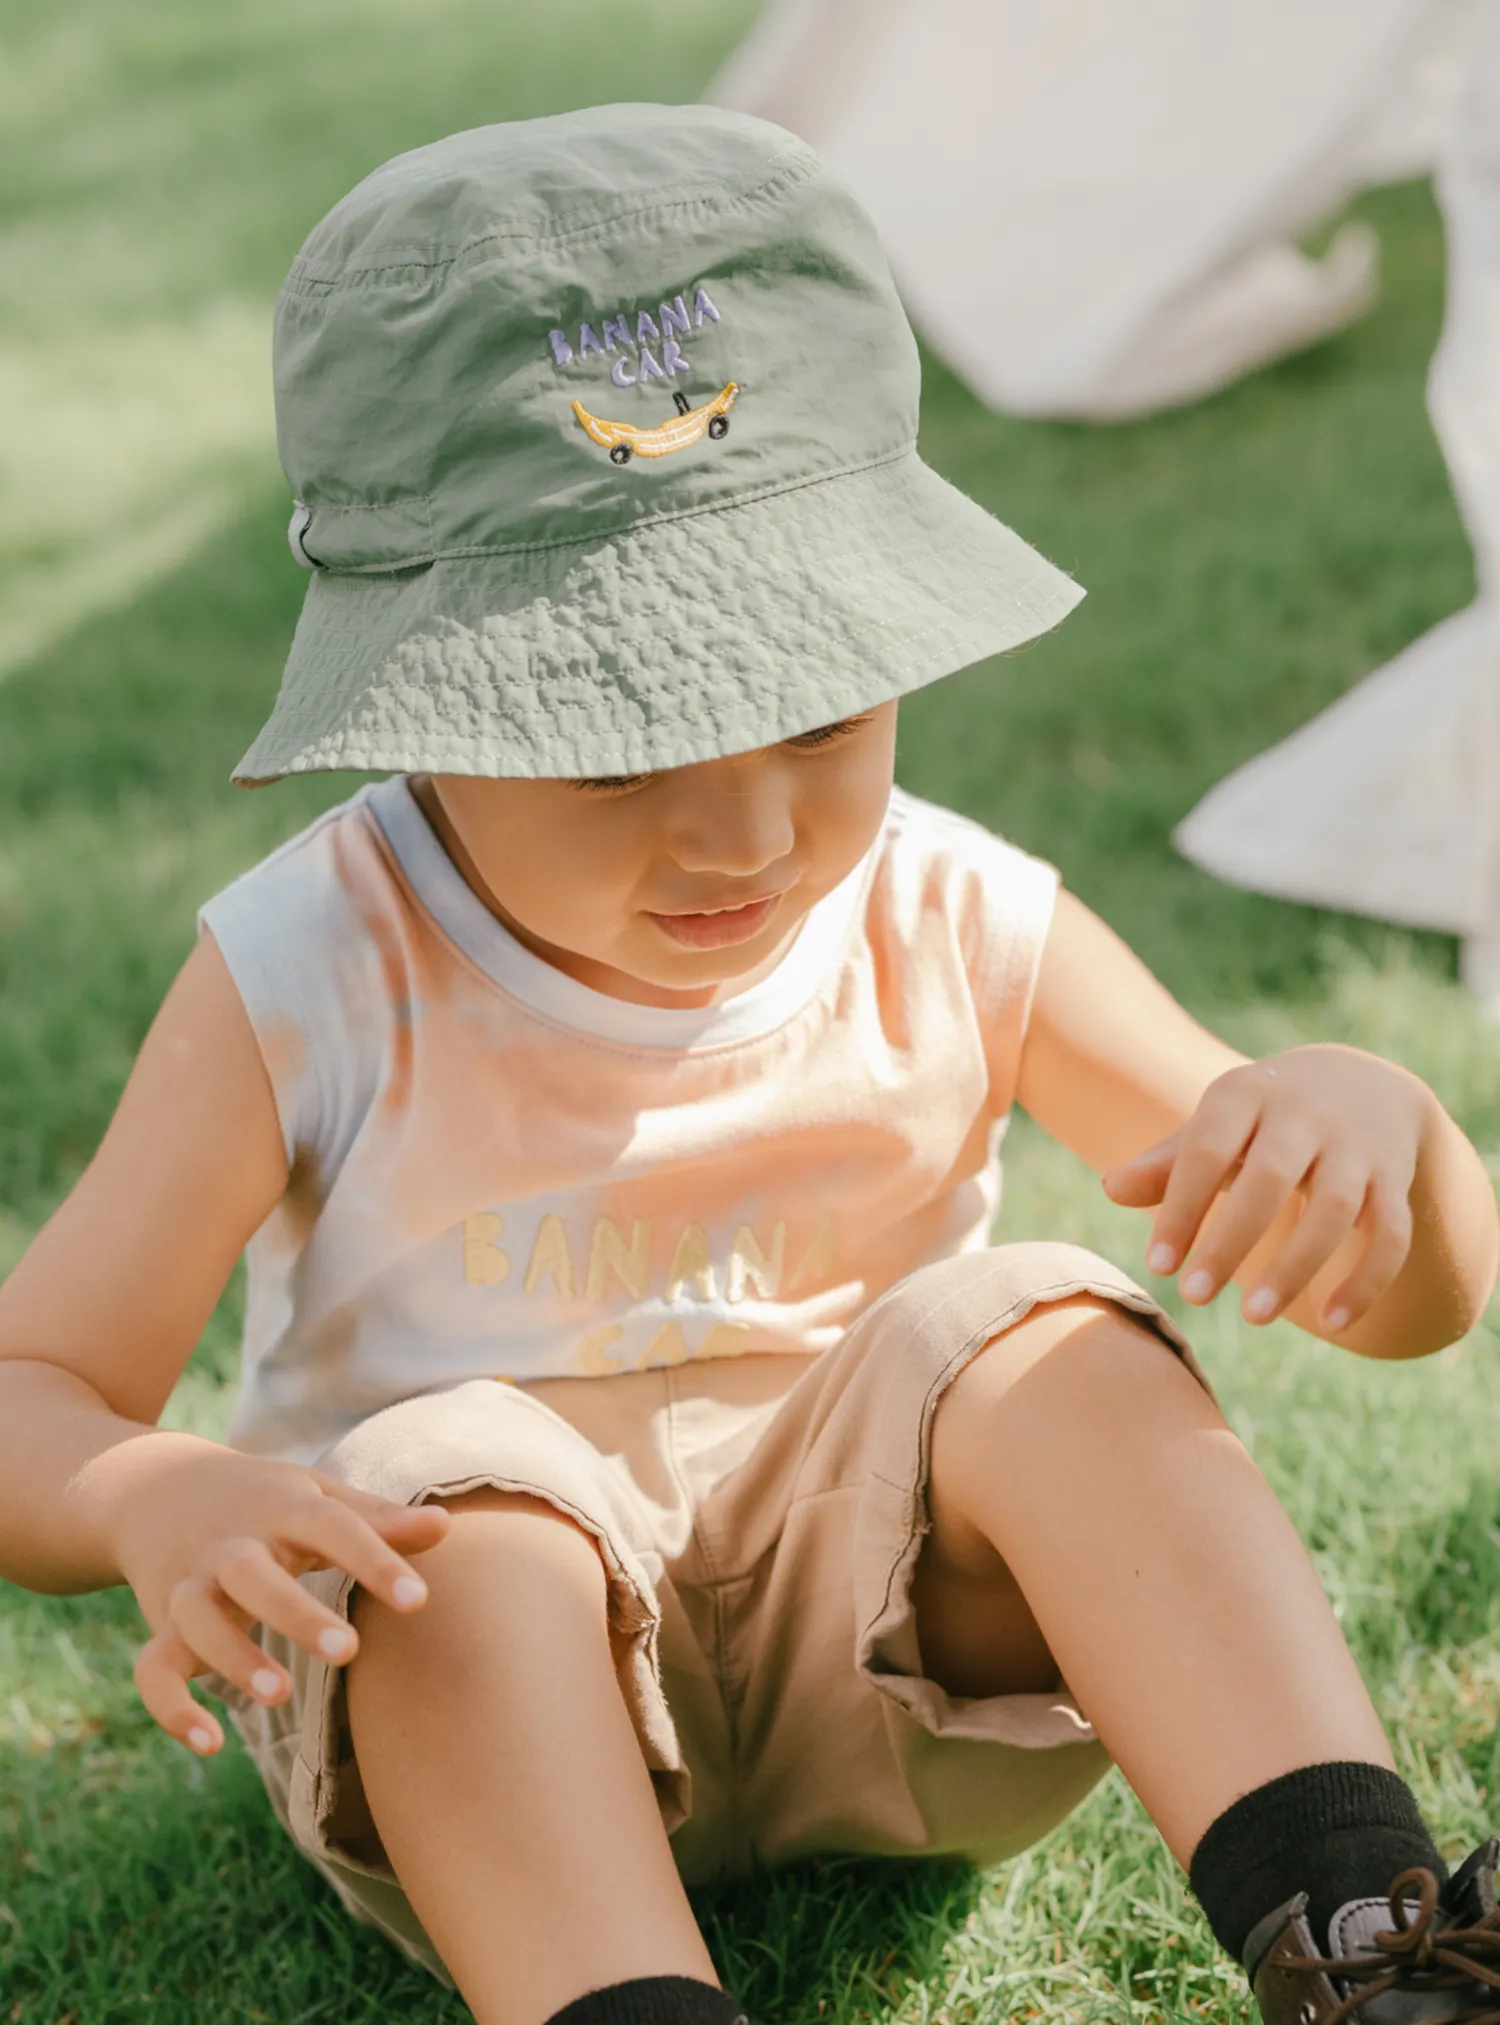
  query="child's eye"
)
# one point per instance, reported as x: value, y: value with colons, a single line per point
x: 610, y: 782
x: 615, y: 783
x: 827, y: 733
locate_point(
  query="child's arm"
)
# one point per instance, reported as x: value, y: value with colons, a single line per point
x: 1341, y: 1180
x: 102, y: 1313
x: 96, y: 1324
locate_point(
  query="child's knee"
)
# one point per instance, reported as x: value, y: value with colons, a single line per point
x: 1089, y: 1334
x: 507, y: 1554
x: 1082, y: 1359
x: 1036, y: 1403
x: 970, y: 1410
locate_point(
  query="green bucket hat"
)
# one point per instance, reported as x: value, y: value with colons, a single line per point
x: 602, y: 435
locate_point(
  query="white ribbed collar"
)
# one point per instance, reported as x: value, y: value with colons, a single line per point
x: 463, y: 916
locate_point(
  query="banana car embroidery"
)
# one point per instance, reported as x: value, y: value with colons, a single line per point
x: 623, y: 440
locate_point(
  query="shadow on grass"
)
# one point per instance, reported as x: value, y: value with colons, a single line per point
x: 842, y: 1936
x: 143, y: 1877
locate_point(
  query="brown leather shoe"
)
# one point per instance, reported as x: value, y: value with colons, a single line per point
x: 1420, y: 1956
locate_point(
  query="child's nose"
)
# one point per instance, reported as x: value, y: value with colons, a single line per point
x: 739, y: 831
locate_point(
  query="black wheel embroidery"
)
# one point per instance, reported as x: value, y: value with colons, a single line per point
x: 620, y: 454
x: 718, y: 427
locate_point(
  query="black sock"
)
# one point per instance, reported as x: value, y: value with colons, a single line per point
x: 653, y: 2000
x: 1337, y: 1832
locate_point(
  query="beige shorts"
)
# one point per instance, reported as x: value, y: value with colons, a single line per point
x: 760, y: 1520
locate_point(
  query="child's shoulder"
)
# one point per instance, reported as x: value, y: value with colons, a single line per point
x: 299, y: 860
x: 296, y: 927
x: 303, y: 933
x: 930, y: 836
x: 996, y: 898
x: 324, y: 876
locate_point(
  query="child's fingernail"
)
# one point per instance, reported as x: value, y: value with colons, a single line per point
x: 200, y: 1739
x: 1336, y: 1319
x: 409, y: 1590
x: 1197, y: 1286
x: 1161, y: 1258
x: 264, y: 1681
x: 337, y: 1642
x: 1261, y: 1305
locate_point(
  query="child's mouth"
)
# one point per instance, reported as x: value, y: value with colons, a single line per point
x: 719, y: 930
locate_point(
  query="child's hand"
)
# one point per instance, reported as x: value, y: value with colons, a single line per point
x: 1337, y: 1128
x: 212, y: 1543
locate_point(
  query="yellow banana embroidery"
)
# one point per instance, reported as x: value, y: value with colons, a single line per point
x: 623, y: 440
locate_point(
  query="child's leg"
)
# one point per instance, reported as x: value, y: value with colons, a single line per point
x: 503, y: 1774
x: 1079, y: 1469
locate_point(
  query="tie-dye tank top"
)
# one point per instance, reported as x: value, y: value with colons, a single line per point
x: 497, y: 1171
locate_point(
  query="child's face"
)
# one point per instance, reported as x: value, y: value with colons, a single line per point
x: 619, y: 883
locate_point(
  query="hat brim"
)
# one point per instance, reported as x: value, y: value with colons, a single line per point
x: 677, y: 641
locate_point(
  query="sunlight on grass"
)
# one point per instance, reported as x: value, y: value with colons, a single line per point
x: 163, y: 164
x: 125, y: 450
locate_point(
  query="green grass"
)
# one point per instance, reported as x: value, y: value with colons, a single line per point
x: 1246, y: 561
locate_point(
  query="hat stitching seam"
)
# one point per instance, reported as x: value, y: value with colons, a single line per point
x: 425, y: 499
x: 422, y: 500
x: 630, y: 528
x: 793, y: 159
x: 305, y: 279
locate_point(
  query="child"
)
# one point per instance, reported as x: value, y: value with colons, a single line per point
x: 636, y: 1045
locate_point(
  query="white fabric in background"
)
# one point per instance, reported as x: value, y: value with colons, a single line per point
x: 1388, y: 803
x: 1088, y: 204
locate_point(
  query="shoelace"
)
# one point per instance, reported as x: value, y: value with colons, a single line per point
x: 1445, y: 1958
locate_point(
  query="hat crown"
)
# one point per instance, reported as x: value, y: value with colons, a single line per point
x: 557, y: 330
